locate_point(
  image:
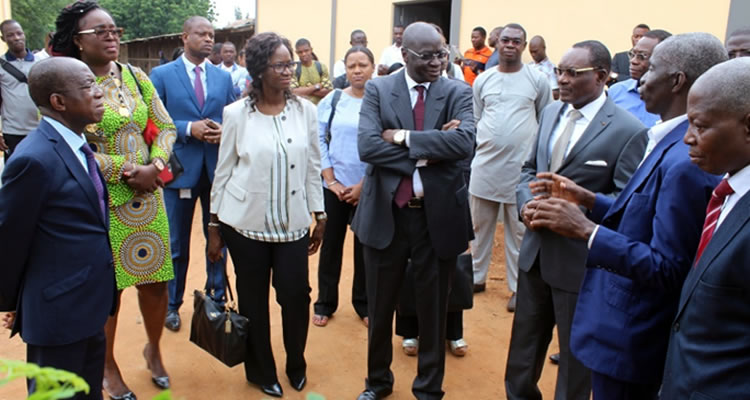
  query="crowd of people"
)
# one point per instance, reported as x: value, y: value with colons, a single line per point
x: 622, y: 183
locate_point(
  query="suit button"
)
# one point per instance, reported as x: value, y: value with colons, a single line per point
x: 676, y: 327
x: 291, y: 166
x: 289, y: 140
x: 283, y: 117
x: 293, y: 192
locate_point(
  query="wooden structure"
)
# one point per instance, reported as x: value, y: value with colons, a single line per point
x: 144, y: 52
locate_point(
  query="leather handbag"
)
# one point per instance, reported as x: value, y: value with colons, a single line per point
x: 219, y: 330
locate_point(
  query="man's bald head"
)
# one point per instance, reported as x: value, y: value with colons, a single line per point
x: 50, y: 76
x: 727, y: 85
x: 538, y: 49
x: 419, y: 33
x: 194, y: 21
x: 538, y: 41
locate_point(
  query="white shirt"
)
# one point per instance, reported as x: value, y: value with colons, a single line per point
x: 588, y: 112
x: 740, y: 183
x: 391, y: 55
x: 413, y: 96
x: 74, y: 140
x: 339, y: 69
x: 548, y: 69
x: 659, y: 131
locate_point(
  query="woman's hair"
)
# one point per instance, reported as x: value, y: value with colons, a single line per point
x: 66, y: 27
x: 360, y: 49
x: 258, y: 52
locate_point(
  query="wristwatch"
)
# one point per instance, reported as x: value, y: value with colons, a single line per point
x: 317, y: 86
x: 159, y: 164
x: 399, y: 137
x: 321, y: 216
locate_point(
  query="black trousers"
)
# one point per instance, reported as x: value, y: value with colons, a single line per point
x: 329, y: 263
x: 539, y: 306
x: 385, y: 274
x: 608, y: 388
x: 11, y: 141
x: 284, y: 265
x: 84, y: 358
x: 407, y: 326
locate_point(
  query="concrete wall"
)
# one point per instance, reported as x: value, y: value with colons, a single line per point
x: 296, y: 19
x: 4, y: 14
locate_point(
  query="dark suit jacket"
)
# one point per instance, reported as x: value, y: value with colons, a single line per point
x: 709, y: 344
x: 57, y: 270
x: 387, y: 105
x: 637, y: 262
x: 612, y: 137
x: 621, y: 65
x: 176, y: 92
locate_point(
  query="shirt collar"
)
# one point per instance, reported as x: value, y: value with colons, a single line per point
x: 411, y: 83
x: 74, y: 140
x: 189, y: 65
x: 632, y: 86
x: 29, y: 56
x: 740, y: 182
x: 589, y: 110
x: 661, y: 129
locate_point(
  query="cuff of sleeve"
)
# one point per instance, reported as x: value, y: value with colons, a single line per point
x: 408, y: 135
x: 593, y: 235
x: 187, y: 130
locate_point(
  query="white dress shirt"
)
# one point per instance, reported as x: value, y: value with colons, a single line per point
x: 588, y: 112
x: 413, y: 96
x: 657, y: 132
x: 740, y: 183
x: 391, y: 55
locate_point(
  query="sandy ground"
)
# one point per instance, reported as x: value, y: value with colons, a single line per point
x: 336, y: 354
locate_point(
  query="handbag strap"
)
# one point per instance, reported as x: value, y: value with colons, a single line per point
x: 227, y: 285
x: 11, y: 69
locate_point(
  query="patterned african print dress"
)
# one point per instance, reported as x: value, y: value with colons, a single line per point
x: 139, y: 231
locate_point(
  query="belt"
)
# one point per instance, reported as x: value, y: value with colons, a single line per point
x: 415, y: 202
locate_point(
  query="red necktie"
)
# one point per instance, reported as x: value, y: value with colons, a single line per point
x: 405, y: 191
x: 712, y: 215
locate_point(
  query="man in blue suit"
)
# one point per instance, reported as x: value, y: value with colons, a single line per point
x: 57, y: 270
x: 195, y: 93
x: 644, y: 244
x: 709, y: 347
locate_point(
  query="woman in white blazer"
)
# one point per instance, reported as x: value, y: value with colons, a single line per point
x: 265, y: 191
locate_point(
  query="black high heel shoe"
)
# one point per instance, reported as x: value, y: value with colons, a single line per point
x: 299, y: 384
x: 273, y: 389
x: 162, y: 382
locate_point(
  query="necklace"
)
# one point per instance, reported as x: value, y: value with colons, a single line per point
x: 123, y: 111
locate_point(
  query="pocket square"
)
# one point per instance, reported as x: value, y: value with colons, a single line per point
x: 596, y: 163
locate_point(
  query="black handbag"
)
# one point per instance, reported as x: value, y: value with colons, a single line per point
x: 219, y: 330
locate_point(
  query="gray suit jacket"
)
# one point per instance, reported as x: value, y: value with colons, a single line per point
x: 614, y: 136
x: 387, y: 105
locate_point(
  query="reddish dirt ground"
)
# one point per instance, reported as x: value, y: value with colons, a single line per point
x: 336, y: 354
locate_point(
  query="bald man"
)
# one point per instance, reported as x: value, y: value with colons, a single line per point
x: 738, y: 43
x: 415, y: 128
x: 57, y: 271
x: 709, y: 351
x: 538, y: 51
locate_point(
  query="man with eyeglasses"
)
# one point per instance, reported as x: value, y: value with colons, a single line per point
x: 19, y: 114
x: 621, y: 60
x: 475, y: 59
x: 508, y: 101
x: 738, y: 43
x: 415, y: 129
x: 595, y: 143
x: 194, y: 92
x: 625, y: 94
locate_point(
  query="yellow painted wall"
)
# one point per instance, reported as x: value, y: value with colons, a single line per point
x: 372, y: 16
x: 4, y: 14
x: 296, y: 19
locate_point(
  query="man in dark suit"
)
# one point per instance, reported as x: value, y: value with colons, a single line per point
x: 57, y: 269
x: 195, y: 93
x: 643, y: 247
x: 709, y: 351
x: 621, y: 60
x: 590, y: 140
x: 414, y: 203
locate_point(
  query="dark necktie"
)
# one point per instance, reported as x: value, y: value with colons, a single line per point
x: 405, y: 190
x: 712, y: 215
x: 91, y: 162
x: 199, y: 87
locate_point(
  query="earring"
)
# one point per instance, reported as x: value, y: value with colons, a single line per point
x: 80, y: 49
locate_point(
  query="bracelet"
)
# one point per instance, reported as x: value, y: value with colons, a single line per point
x: 214, y: 225
x: 331, y: 183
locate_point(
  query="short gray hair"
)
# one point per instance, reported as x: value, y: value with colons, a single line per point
x: 728, y: 84
x: 691, y: 53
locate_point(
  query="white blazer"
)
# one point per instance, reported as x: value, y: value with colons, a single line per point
x: 239, y: 195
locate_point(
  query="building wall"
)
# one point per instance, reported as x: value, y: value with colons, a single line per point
x: 296, y: 19
x: 4, y: 14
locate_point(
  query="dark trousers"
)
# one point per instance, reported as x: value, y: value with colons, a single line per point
x: 180, y: 213
x: 84, y: 358
x: 385, y: 274
x: 407, y: 326
x: 329, y: 263
x: 608, y: 388
x: 11, y: 141
x: 284, y: 265
x: 539, y: 306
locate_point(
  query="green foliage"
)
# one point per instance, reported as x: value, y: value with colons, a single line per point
x: 51, y: 384
x: 37, y: 18
x: 314, y: 396
x: 144, y: 18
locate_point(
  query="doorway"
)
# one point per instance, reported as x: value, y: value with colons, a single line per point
x: 437, y: 12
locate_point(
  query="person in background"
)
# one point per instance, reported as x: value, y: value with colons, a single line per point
x: 392, y: 54
x: 621, y: 61
x: 357, y: 38
x: 342, y: 173
x: 492, y: 42
x: 310, y: 75
x: 238, y: 73
x: 44, y: 53
x: 177, y: 52
x: 215, y: 56
x: 19, y: 114
x: 475, y: 59
x: 266, y: 188
x: 139, y: 230
x: 738, y: 43
x: 538, y: 51
x: 626, y: 93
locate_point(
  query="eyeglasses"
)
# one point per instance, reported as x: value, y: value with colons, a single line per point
x: 438, y: 55
x: 103, y: 33
x: 736, y: 53
x: 515, y: 41
x: 573, y: 72
x: 640, y: 56
x: 280, y: 67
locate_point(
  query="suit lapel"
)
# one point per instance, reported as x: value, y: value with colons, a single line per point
x: 597, y: 125
x: 543, y: 153
x: 182, y: 76
x: 434, y: 104
x: 401, y: 103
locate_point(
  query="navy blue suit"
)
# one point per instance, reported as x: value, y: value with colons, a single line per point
x: 636, y: 266
x: 57, y: 269
x: 199, y: 159
x: 709, y: 346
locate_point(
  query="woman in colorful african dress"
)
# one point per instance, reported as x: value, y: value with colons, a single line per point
x: 139, y: 231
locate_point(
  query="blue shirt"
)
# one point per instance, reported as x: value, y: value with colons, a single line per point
x: 625, y: 94
x: 74, y: 140
x: 493, y: 61
x: 341, y: 153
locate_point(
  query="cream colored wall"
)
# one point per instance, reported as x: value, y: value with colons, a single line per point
x: 564, y: 23
x: 372, y: 16
x: 296, y: 19
x: 4, y: 14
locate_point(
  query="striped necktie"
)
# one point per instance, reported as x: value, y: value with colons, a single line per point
x: 712, y: 215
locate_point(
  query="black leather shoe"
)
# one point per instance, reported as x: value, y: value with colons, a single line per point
x: 126, y: 396
x: 555, y: 358
x: 172, y: 322
x: 480, y: 287
x: 511, y: 307
x: 298, y: 385
x: 273, y: 390
x: 368, y: 395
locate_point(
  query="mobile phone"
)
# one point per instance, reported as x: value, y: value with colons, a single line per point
x: 212, y: 124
